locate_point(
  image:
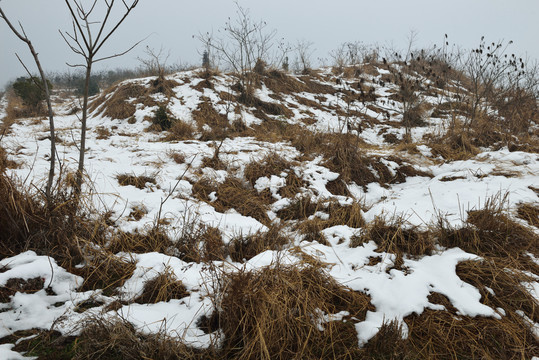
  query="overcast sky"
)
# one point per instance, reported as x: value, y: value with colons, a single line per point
x: 172, y: 24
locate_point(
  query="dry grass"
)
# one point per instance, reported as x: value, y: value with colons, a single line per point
x: 200, y: 244
x: 178, y: 157
x: 234, y: 194
x: 271, y: 164
x: 180, y: 130
x: 15, y: 285
x: 300, y: 208
x: 28, y: 224
x: 153, y: 240
x: 102, y: 133
x: 277, y: 313
x: 164, y: 287
x: 116, y: 106
x: 530, y: 213
x: 349, y: 215
x: 395, y: 236
x: 138, y: 181
x: 242, y: 248
x: 490, y: 232
x: 105, y: 271
x: 5, y: 163
x: 114, y: 338
x: 119, y: 101
x: 442, y: 335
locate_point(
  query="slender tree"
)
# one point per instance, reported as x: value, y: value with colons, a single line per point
x: 43, y: 85
x: 86, y: 39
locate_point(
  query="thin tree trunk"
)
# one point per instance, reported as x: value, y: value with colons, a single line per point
x: 82, y: 150
x: 23, y: 37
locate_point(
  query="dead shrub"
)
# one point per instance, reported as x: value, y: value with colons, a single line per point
x: 164, y: 287
x: 242, y: 248
x: 138, y: 181
x: 278, y: 313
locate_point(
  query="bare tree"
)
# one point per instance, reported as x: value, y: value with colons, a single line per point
x: 245, y: 45
x: 86, y: 39
x: 304, y: 51
x: 488, y: 67
x: 45, y: 87
x: 155, y: 62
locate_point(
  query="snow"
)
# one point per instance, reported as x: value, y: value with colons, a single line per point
x: 130, y: 150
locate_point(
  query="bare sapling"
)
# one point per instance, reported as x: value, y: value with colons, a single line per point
x: 245, y: 47
x: 44, y: 86
x: 86, y: 39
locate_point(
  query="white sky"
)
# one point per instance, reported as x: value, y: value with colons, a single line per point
x: 172, y: 24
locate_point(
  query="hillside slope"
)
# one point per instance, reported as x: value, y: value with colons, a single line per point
x: 335, y: 204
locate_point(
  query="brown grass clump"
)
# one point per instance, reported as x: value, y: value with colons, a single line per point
x: 271, y: 164
x: 114, y: 338
x: 180, y: 130
x: 442, y: 335
x: 163, y: 287
x: 456, y: 146
x: 116, y: 106
x: 529, y: 213
x: 506, y: 283
x: 5, y: 163
x: 153, y: 240
x: 200, y: 244
x: 234, y: 194
x: 15, y: 285
x: 28, y: 224
x: 139, y: 181
x: 102, y: 133
x: 388, y: 344
x: 178, y: 157
x: 122, y: 103
x: 395, y: 237
x: 490, y: 232
x: 242, y: 248
x: 300, y: 208
x: 277, y: 313
x: 206, y: 114
x: 105, y: 271
x: 349, y: 215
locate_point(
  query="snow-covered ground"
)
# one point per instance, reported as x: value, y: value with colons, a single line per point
x: 129, y: 149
